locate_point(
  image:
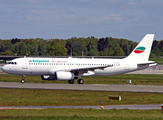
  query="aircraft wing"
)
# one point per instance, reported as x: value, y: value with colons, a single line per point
x: 85, y: 68
x: 80, y: 70
x: 90, y: 68
x: 86, y: 71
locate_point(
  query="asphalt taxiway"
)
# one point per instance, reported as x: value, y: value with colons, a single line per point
x: 91, y: 87
x: 131, y: 107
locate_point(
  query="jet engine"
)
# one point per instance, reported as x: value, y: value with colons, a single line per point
x: 59, y: 76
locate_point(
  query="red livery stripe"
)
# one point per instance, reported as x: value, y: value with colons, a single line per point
x: 139, y: 51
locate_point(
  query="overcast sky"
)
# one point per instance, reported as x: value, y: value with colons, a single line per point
x: 63, y: 19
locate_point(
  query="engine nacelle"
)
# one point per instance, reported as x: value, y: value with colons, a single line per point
x: 64, y: 75
x: 59, y: 76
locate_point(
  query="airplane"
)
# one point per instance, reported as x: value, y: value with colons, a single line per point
x: 69, y: 69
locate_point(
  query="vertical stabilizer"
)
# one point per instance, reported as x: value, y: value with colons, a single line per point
x: 143, y: 49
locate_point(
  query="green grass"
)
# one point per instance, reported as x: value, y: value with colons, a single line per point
x: 118, y: 79
x: 37, y: 97
x: 81, y: 114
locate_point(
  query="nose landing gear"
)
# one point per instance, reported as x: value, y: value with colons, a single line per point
x: 23, y: 79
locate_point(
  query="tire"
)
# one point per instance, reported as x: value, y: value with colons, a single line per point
x: 22, y: 81
x: 71, y: 81
x: 80, y: 81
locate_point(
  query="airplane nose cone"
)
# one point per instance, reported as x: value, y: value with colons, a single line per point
x: 3, y: 68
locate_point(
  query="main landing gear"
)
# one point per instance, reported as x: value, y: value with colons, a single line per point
x: 23, y: 79
x: 80, y: 81
x: 71, y: 81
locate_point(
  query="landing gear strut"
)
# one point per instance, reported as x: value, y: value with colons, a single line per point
x: 80, y: 81
x: 23, y: 79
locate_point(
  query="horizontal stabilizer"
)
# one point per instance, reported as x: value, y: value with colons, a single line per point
x: 148, y: 63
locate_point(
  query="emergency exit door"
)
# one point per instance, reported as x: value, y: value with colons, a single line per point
x: 24, y: 64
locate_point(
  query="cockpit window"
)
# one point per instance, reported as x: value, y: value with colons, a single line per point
x: 14, y: 63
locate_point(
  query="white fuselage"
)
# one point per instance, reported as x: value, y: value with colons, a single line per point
x: 48, y: 66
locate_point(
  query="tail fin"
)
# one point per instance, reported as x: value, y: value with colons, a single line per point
x: 143, y: 49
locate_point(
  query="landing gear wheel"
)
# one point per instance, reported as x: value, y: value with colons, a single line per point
x: 22, y: 81
x: 71, y: 81
x: 80, y: 81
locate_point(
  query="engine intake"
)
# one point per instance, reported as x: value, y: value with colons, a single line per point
x: 59, y: 76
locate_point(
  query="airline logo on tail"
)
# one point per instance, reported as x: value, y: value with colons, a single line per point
x: 139, y: 50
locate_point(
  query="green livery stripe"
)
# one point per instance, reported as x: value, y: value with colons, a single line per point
x: 140, y: 48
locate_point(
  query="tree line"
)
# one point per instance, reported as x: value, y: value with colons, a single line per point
x: 90, y: 46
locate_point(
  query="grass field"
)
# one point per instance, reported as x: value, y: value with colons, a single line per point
x: 81, y: 114
x: 33, y: 97
x: 36, y: 97
x: 118, y: 79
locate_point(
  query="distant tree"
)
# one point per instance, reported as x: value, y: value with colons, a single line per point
x: 126, y: 49
x: 13, y: 41
x: 19, y: 48
x: 69, y: 48
x: 78, y: 47
x: 102, y: 44
x: 8, y: 46
x: 32, y: 48
x: 160, y: 46
x: 156, y: 51
x: 7, y: 52
x: 155, y: 44
x: 22, y: 48
x: 54, y: 41
x: 152, y: 55
x: 92, y: 53
x: 89, y: 46
x: 133, y: 45
x: 42, y: 49
x: 58, y: 50
x: 119, y: 52
x: 2, y: 47
x: 107, y: 52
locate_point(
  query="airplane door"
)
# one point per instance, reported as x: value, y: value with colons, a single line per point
x: 126, y: 66
x: 24, y: 64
